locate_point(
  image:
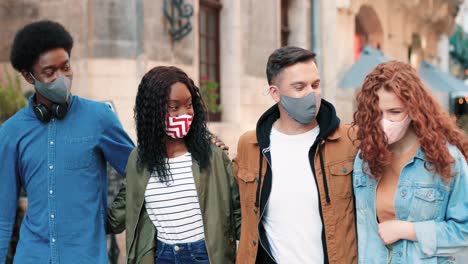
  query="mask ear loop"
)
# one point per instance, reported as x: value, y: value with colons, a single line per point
x: 34, y: 78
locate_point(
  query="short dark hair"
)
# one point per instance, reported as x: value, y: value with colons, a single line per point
x: 35, y: 39
x: 284, y: 57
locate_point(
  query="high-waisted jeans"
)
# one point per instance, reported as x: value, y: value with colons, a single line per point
x: 181, y: 253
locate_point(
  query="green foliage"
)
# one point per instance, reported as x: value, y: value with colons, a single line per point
x: 11, y: 96
x: 459, y: 43
x: 210, y: 95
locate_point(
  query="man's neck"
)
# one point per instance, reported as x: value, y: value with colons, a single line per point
x: 287, y: 125
x: 39, y: 99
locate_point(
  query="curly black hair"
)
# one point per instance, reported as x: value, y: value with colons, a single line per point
x: 150, y: 116
x: 35, y: 39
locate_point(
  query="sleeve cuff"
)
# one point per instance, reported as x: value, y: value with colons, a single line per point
x: 426, y: 234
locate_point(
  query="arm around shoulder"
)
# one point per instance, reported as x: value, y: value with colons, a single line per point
x: 114, y: 142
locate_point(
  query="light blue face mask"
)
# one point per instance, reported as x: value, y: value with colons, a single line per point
x: 303, y: 110
x: 57, y: 91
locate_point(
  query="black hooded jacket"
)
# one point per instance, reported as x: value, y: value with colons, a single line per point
x: 328, y: 122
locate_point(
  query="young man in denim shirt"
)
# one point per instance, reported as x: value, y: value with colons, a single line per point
x: 56, y: 148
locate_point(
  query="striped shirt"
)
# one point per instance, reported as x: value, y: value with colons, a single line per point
x: 173, y: 206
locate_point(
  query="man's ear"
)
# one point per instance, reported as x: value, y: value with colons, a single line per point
x: 27, y: 76
x: 274, y: 92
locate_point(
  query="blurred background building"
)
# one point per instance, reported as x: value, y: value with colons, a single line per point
x: 228, y: 43
x: 224, y: 46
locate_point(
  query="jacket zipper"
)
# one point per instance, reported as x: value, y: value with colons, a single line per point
x: 266, y: 204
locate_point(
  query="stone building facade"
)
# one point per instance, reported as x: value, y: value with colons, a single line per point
x: 404, y: 30
x: 117, y: 41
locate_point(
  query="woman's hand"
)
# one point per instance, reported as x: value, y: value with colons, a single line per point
x: 394, y: 230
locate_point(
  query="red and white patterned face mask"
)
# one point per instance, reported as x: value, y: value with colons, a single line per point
x: 178, y: 126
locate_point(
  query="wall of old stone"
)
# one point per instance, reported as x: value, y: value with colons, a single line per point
x: 250, y: 32
x: 118, y: 41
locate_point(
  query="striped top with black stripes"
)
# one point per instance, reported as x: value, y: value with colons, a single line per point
x: 173, y: 207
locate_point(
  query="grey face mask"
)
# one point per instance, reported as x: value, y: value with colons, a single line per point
x: 303, y: 110
x: 57, y: 91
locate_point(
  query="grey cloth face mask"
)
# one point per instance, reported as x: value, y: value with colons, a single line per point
x: 57, y: 91
x: 303, y: 110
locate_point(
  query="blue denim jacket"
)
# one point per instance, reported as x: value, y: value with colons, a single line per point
x: 438, y: 210
x: 62, y: 166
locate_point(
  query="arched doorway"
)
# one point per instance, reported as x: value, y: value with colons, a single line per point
x: 368, y: 30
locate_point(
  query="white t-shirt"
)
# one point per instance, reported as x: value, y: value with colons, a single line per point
x: 292, y: 217
x: 174, y: 208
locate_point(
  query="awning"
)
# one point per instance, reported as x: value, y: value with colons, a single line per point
x: 367, y: 61
x: 438, y: 80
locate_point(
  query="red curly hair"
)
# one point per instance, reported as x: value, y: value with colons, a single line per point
x: 432, y: 125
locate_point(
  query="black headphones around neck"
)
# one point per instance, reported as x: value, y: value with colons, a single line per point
x: 44, y: 114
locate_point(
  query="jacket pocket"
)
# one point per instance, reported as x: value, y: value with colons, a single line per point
x: 247, y: 175
x: 341, y: 180
x: 247, y: 184
x: 84, y: 161
x: 426, y: 203
x: 359, y: 180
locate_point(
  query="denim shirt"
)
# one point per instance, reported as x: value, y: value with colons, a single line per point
x: 62, y: 167
x: 438, y: 210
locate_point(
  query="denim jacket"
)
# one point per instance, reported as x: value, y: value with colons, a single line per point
x: 438, y: 210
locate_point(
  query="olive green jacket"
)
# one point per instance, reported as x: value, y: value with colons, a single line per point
x: 218, y: 196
